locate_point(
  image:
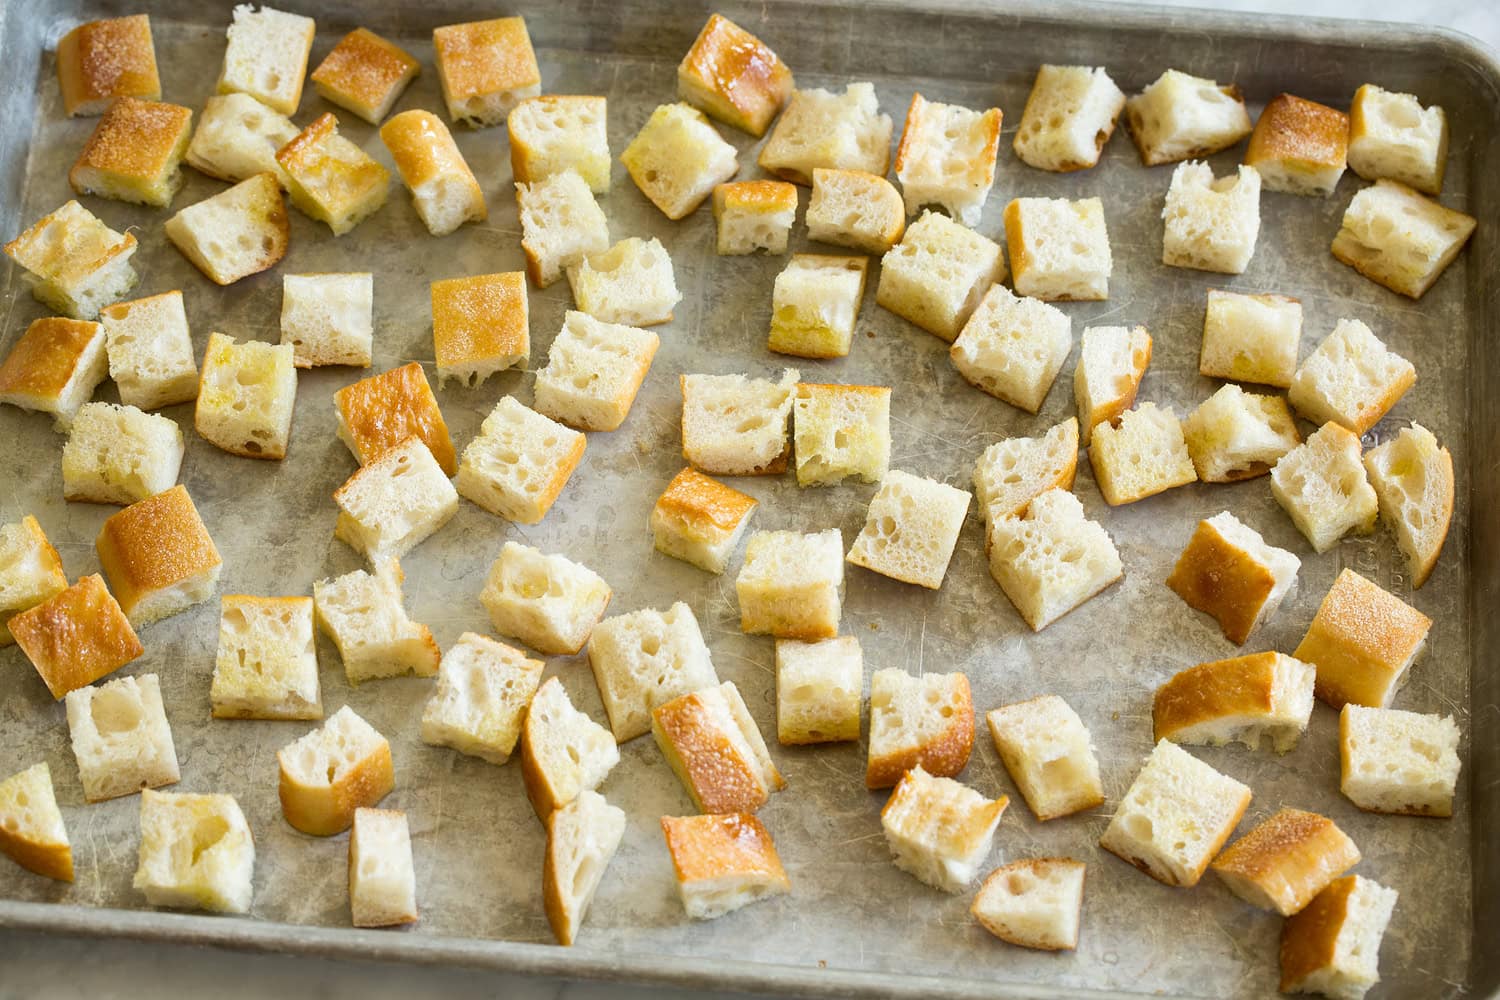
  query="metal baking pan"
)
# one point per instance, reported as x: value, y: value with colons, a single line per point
x: 854, y: 924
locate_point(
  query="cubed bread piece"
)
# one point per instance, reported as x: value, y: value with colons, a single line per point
x: 1332, y: 946
x: 119, y: 454
x: 158, y: 556
x: 30, y: 571
x: 382, y: 880
x: 1398, y: 762
x: 1140, y: 456
x: 925, y: 721
x: 391, y: 505
x: 120, y: 738
x: 939, y: 830
x: 235, y: 233
x: 937, y: 274
x: 814, y: 304
x: 246, y: 394
x: 1010, y: 474
x: 713, y: 745
x: 1211, y: 224
x: 328, y: 318
x: 337, y: 768
x: 549, y: 602
x: 561, y: 224
x: 518, y: 463
x: 1396, y: 237
x: 1012, y: 347
x: 1050, y: 558
x: 630, y: 283
x: 564, y: 753
x: 74, y: 263
x: 1234, y: 435
x: 379, y: 412
x: 733, y: 425
x: 237, y: 137
x: 1392, y: 136
x: 267, y: 663
x: 1322, y: 486
x: 1413, y: 480
x: 556, y: 132
x: 267, y: 56
x: 480, y: 700
x: 819, y: 690
x: 1070, y: 115
x: 31, y: 826
x: 677, y: 158
x: 1035, y: 903
x: 910, y: 529
x: 644, y: 659
x: 700, y: 520
x: 823, y: 129
x: 594, y: 370
x: 1181, y: 116
x: 1229, y: 571
x: 443, y: 188
x: 754, y: 215
x: 947, y: 157
x: 789, y: 584
x: 99, y: 61
x: 330, y: 179
x: 150, y: 351
x: 1251, y: 338
x: 1351, y: 378
x: 841, y: 431
x: 1059, y: 249
x: 851, y: 208
x: 485, y: 68
x: 1362, y: 640
x: 1286, y: 860
x: 196, y: 852
x: 480, y: 326
x: 1111, y: 363
x: 1175, y: 817
x: 365, y: 74
x: 1299, y: 146
x: 55, y: 367
x: 364, y: 615
x: 1049, y: 754
x: 135, y: 153
x: 722, y: 863
x: 76, y: 636
x: 734, y: 76
x: 582, y: 838
x: 1240, y: 700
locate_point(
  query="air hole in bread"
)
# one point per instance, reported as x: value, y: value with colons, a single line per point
x: 206, y: 833
x: 114, y: 711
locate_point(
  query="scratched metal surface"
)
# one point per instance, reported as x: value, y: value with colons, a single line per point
x: 853, y: 923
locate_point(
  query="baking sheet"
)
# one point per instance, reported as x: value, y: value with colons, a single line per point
x: 854, y: 922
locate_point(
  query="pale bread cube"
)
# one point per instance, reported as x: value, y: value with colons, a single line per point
x: 1009, y: 474
x: 734, y: 76
x: 1351, y: 378
x: 481, y: 325
x: 1396, y: 237
x: 1211, y: 224
x: 267, y: 56
x: 485, y: 68
x: 31, y: 826
x: 333, y: 771
x: 1332, y: 946
x: 549, y: 602
x: 947, y: 156
x: 444, y: 191
x: 237, y: 137
x: 121, y: 738
x: 918, y: 722
x: 819, y: 690
x: 158, y: 556
x: 814, y: 304
x: 1049, y: 754
x: 938, y: 830
x: 582, y: 838
x: 644, y: 659
x: 841, y: 431
x: 1069, y: 116
x: 135, y: 153
x: 630, y: 283
x: 330, y: 179
x: 556, y: 132
x: 267, y: 662
x: 823, y: 129
x: 700, y: 520
x: 594, y: 370
x: 1036, y: 903
x: 1286, y: 860
x: 789, y: 584
x: 246, y: 393
x: 851, y: 208
x: 99, y: 61
x: 1247, y: 699
x: 561, y: 224
x: 1299, y: 146
x: 678, y: 158
x: 365, y: 74
x: 1140, y: 456
x: 754, y: 215
x: 380, y: 412
x: 55, y: 367
x: 911, y: 529
x: 235, y: 233
x: 31, y: 571
x: 364, y: 615
x: 1322, y: 486
x: 1059, y: 249
x: 937, y: 274
x: 196, y: 852
x: 1228, y: 570
x: 1413, y: 480
x: 1398, y: 762
x: 328, y: 318
x: 150, y: 351
x: 1051, y: 558
x: 1179, y: 117
x: 722, y: 863
x: 1234, y: 435
x: 713, y: 745
x: 74, y: 263
x: 119, y: 454
x: 1112, y: 361
x: 393, y: 504
x: 1392, y: 136
x: 1363, y: 641
x: 480, y: 700
x: 518, y: 463
x: 382, y: 880
x: 564, y: 753
x: 1251, y: 338
x: 76, y: 636
x: 1012, y: 347
x: 734, y: 425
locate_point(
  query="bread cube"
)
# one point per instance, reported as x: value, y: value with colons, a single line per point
x: 382, y: 881
x: 365, y: 74
x: 331, y: 772
x: 911, y: 529
x: 630, y: 283
x: 1362, y: 640
x: 443, y: 189
x: 480, y: 326
x: 518, y: 463
x: 1234, y: 435
x: 1142, y: 455
x: 722, y: 863
x: 31, y: 826
x: 789, y: 584
x: 1111, y: 363
x: 939, y: 830
x: 712, y: 744
x: 74, y: 263
x: 158, y: 556
x: 393, y: 504
x: 1180, y: 117
x: 485, y: 68
x: 734, y: 76
x: 851, y: 208
x: 1059, y: 249
x: 700, y: 520
x: 150, y: 351
x: 561, y: 224
x: 1351, y: 378
x: 582, y: 838
x: 1322, y: 486
x: 1049, y: 754
x: 841, y: 431
x: 1211, y: 224
x: 54, y: 367
x: 118, y: 454
x: 328, y: 318
x: 267, y: 662
x: 644, y: 659
x: 377, y: 413
x: 564, y: 753
x: 754, y: 215
x: 1240, y: 700
x: 1012, y: 348
x: 1010, y: 474
x: 76, y: 636
x: 1392, y: 136
x: 1251, y: 338
x: 480, y: 700
x: 1299, y: 146
x: 819, y: 690
x: 593, y: 373
x: 677, y: 158
x: 30, y: 571
x: 733, y: 425
x: 1332, y: 946
x: 1069, y: 116
x: 330, y: 179
x: 196, y: 852
x: 364, y: 615
x: 1286, y: 860
x: 1035, y: 903
x: 1051, y: 558
x: 549, y: 602
x: 1413, y: 480
x: 947, y: 157
x: 556, y: 132
x: 937, y: 274
x: 918, y: 722
x: 814, y: 305
x: 1397, y: 238
x: 235, y: 233
x: 237, y: 137
x: 823, y: 129
x: 99, y: 61
x: 267, y: 56
x: 1228, y: 571
x: 135, y: 153
x: 245, y: 397
x: 121, y: 738
x: 1398, y: 762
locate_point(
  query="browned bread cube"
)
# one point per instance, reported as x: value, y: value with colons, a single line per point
x: 366, y: 74
x: 734, y: 76
x: 158, y: 556
x: 485, y: 68
x: 1299, y: 147
x: 479, y: 326
x: 377, y: 413
x: 715, y: 748
x: 76, y: 637
x: 102, y: 60
x: 1362, y: 641
x: 722, y: 862
x: 135, y: 153
x: 55, y: 367
x: 1286, y: 860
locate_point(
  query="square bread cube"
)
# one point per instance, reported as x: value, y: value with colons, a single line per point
x: 237, y: 137
x: 1228, y: 571
x: 1332, y: 946
x: 734, y: 425
x: 377, y: 413
x: 734, y: 76
x: 1240, y: 700
x: 564, y: 753
x: 74, y: 263
x: 30, y: 571
x: 1059, y: 249
x: 1251, y: 338
x: 644, y: 659
x: 1413, y: 480
x: 55, y: 367
x: 823, y: 129
x: 939, y: 830
x: 700, y: 520
x: 1181, y: 116
x: 267, y: 662
x: 1398, y: 762
x: 121, y: 738
x: 328, y: 318
x: 135, y: 153
x: 480, y: 700
x: 594, y: 370
x: 235, y: 233
x: 365, y: 74
x: 582, y: 838
x: 1286, y: 860
x: 391, y: 505
x: 99, y: 61
x: 713, y: 745
x: 1322, y: 486
x: 158, y: 556
x: 150, y: 351
x: 1140, y: 456
x: 196, y: 852
x: 1211, y: 224
x: 267, y: 56
x: 1177, y: 814
x: 1010, y: 474
x: 754, y: 215
x: 364, y: 615
x: 1069, y: 116
x: 518, y: 463
x: 814, y: 304
x: 678, y: 158
x: 1391, y: 136
x: 1051, y: 558
x: 1299, y: 146
x: 722, y: 863
x: 947, y: 157
x: 549, y: 602
x: 789, y: 584
x: 32, y: 833
x: 850, y: 208
x: 819, y: 690
x: 1362, y: 640
x: 329, y: 773
x: 444, y: 191
x: 1035, y: 903
x: 911, y: 529
x: 1111, y: 363
x: 480, y: 326
x: 1234, y: 435
x: 937, y: 274
x: 561, y: 224
x: 76, y: 636
x: 485, y: 68
x: 382, y: 881
x: 925, y: 721
x: 557, y: 132
x: 330, y: 179
x: 119, y: 454
x: 245, y: 397
x: 1397, y: 238
x: 1049, y: 754
x: 1351, y: 378
x: 841, y: 431
x: 630, y: 283
x: 1012, y: 348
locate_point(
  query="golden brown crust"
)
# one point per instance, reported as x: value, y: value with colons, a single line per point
x: 735, y: 76
x: 155, y: 543
x: 480, y: 317
x: 942, y: 757
x: 758, y: 196
x: 46, y: 357
x: 1015, y: 246
x: 1444, y: 516
x: 323, y: 810
x: 717, y: 778
x: 1307, y: 134
x: 539, y: 791
x: 136, y: 139
x: 1239, y: 686
x: 101, y: 60
x: 552, y: 892
x: 362, y: 69
x: 1359, y: 640
x: 695, y: 498
x: 1035, y: 866
x: 711, y: 847
x: 46, y: 859
x: 381, y: 411
x: 424, y: 150
x: 1290, y: 857
x: 76, y: 637
x: 1309, y: 938
x: 479, y: 58
x: 1217, y: 577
